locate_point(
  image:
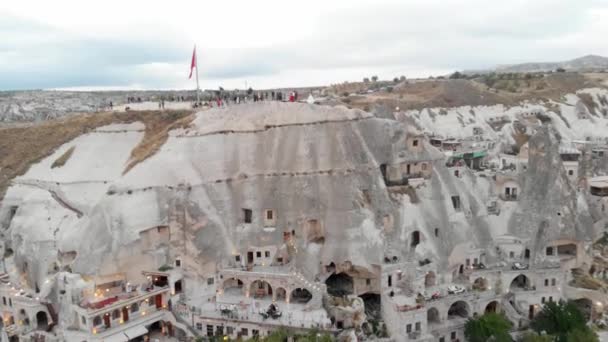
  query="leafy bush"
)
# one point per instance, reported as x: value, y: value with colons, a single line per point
x: 165, y: 268
x: 561, y: 319
x: 490, y: 326
x: 456, y: 75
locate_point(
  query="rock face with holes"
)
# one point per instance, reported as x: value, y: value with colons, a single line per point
x: 287, y: 189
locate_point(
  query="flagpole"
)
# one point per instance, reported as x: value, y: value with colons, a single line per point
x: 198, y: 90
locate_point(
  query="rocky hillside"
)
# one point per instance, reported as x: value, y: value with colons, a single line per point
x: 586, y: 63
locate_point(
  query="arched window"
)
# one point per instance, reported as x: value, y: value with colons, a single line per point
x: 134, y: 307
x: 116, y: 314
x: 96, y: 321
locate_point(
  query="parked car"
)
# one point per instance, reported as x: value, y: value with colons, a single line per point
x: 519, y: 266
x: 456, y: 289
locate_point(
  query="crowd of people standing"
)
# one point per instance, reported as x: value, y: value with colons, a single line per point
x: 221, y: 98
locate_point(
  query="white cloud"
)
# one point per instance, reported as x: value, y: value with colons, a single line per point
x: 273, y: 43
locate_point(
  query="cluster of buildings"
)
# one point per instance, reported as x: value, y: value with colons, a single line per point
x: 413, y: 292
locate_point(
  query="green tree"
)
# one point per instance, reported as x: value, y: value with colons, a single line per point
x: 481, y: 328
x: 578, y: 335
x: 366, y: 80
x: 374, y: 78
x: 558, y: 319
x: 534, y: 337
x: 456, y: 75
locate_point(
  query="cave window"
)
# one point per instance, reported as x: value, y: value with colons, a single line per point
x: 210, y: 281
x: 267, y: 254
x: 546, y: 282
x: 456, y: 173
x: 436, y: 232
x: 269, y: 214
x: 258, y: 254
x: 178, y: 263
x: 247, y: 215
x: 11, y: 214
x: 390, y: 280
x: 570, y: 172
x: 237, y: 258
x: 415, y: 142
x: 456, y: 202
x: 511, y: 254
x: 553, y: 282
x: 550, y: 299
x: 549, y: 250
x: 368, y: 281
x: 280, y: 260
x: 542, y: 300
x: 4, y: 300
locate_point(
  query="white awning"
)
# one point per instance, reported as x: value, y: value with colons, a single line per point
x: 135, y: 331
x: 120, y: 337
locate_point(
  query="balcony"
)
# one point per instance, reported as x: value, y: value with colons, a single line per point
x: 121, y: 300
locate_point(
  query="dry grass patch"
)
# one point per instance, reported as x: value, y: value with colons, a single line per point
x: 21, y: 146
x: 59, y: 162
x: 583, y: 280
x: 157, y: 132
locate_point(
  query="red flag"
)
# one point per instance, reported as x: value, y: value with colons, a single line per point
x: 193, y: 63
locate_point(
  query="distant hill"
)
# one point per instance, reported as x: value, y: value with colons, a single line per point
x: 586, y: 63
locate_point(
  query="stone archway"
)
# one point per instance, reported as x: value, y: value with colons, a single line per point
x: 432, y: 316
x: 340, y: 284
x: 260, y: 289
x: 281, y: 294
x: 23, y: 318
x: 42, y: 320
x: 459, y: 309
x: 430, y: 279
x: 521, y: 283
x: 492, y: 307
x: 233, y: 285
x: 372, y: 303
x: 300, y: 296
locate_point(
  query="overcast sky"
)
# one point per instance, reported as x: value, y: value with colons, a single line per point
x: 103, y: 44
